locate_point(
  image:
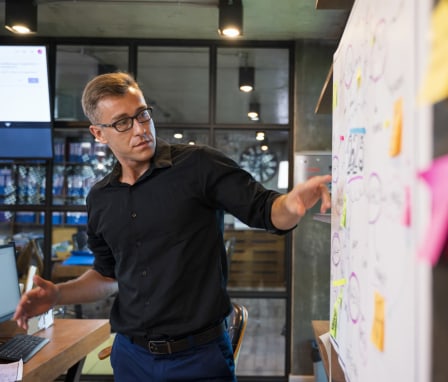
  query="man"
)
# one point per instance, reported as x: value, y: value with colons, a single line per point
x: 155, y: 228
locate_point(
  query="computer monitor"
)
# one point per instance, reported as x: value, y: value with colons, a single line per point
x: 10, y: 295
x: 25, y: 113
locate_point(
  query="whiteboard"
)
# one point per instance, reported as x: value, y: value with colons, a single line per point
x: 379, y: 292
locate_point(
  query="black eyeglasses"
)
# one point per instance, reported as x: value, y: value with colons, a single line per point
x: 125, y: 124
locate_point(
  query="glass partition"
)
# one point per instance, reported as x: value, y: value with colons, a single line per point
x: 175, y: 81
x: 76, y: 65
x: 187, y: 136
x: 263, y: 153
x: 263, y: 348
x: 271, y: 85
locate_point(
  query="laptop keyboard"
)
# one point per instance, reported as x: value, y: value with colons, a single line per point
x: 21, y: 346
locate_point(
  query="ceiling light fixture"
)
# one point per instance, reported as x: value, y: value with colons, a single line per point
x: 247, y: 78
x: 178, y: 135
x: 21, y: 16
x: 230, y: 18
x: 254, y: 111
x: 260, y: 135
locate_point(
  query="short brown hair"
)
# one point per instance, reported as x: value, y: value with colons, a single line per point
x: 105, y: 85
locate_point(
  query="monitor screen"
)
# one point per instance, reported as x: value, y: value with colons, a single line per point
x: 25, y: 113
x: 10, y: 296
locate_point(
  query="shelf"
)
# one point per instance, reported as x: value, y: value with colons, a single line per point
x: 325, y: 101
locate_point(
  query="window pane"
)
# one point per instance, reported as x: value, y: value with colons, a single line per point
x: 75, y: 66
x: 263, y: 349
x: 256, y: 259
x: 190, y: 136
x: 264, y: 159
x: 175, y: 82
x: 271, y: 87
x: 79, y: 163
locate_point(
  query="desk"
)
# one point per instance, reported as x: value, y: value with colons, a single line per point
x: 70, y: 342
x: 337, y: 375
x: 61, y: 272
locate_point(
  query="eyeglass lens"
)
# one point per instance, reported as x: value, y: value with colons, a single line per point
x: 126, y: 123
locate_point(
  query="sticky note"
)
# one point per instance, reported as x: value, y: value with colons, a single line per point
x: 436, y: 233
x: 377, y: 334
x: 435, y: 85
x: 343, y: 221
x: 339, y: 282
x: 335, y: 95
x: 397, y: 127
x: 407, y: 207
x: 334, y: 319
x: 359, y: 77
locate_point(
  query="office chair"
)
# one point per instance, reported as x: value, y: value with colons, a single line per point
x: 236, y: 327
x: 31, y: 254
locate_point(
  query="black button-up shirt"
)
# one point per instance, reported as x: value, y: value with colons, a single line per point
x: 161, y: 238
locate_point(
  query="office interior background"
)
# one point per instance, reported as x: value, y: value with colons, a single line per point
x: 190, y: 76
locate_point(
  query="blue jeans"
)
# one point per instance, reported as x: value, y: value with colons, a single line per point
x: 209, y: 362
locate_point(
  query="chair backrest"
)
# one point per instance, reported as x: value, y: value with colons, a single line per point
x: 237, y: 322
x: 31, y: 254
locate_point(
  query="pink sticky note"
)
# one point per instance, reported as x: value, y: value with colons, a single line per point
x: 436, y: 176
x: 407, y: 207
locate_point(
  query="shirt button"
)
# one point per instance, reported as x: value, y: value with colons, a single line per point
x: 144, y: 273
x: 134, y: 215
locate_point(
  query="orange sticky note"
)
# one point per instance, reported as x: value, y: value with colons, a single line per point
x: 377, y: 335
x: 395, y: 141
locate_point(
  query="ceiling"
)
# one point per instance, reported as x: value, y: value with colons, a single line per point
x: 183, y: 19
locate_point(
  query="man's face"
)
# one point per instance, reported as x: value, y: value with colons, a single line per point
x: 135, y: 146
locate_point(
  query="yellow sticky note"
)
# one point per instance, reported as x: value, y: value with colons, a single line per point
x: 359, y: 77
x: 343, y: 221
x: 397, y: 128
x: 335, y: 95
x: 435, y: 85
x: 377, y: 335
x: 339, y: 282
x: 334, y: 319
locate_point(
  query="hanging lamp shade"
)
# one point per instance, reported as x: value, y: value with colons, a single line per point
x: 246, y: 78
x: 21, y: 16
x: 230, y: 18
x: 254, y: 112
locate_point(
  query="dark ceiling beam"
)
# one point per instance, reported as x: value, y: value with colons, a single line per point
x: 334, y: 4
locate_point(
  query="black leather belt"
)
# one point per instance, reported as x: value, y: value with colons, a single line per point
x: 185, y: 343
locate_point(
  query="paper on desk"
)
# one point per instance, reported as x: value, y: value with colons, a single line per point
x: 325, y: 338
x: 11, y: 372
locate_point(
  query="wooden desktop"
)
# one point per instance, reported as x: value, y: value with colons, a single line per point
x: 70, y: 342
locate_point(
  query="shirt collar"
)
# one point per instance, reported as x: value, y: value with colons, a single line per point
x: 162, y: 158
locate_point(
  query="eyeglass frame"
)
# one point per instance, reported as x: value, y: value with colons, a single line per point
x: 131, y: 118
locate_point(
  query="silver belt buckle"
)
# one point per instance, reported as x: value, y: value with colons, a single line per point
x: 153, y: 347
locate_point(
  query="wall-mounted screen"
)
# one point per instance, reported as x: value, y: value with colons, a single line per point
x: 10, y: 295
x: 25, y: 113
